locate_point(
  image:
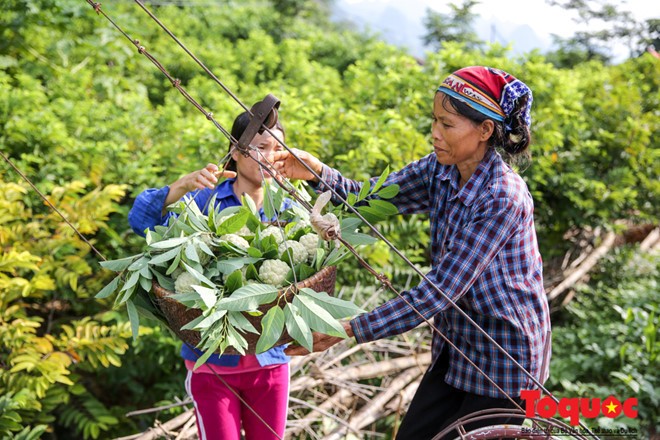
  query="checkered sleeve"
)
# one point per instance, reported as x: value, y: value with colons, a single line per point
x: 464, y: 259
x: 413, y: 181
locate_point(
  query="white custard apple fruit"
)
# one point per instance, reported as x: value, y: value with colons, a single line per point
x: 184, y: 283
x: 236, y: 240
x: 302, y: 223
x: 275, y: 231
x: 273, y: 272
x: 244, y: 232
x: 310, y: 242
x: 298, y: 253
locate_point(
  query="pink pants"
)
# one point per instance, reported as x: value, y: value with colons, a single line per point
x: 220, y: 413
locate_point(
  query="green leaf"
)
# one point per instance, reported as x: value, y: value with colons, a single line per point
x: 174, y: 264
x: 364, y: 190
x: 109, y: 289
x: 234, y: 281
x: 139, y: 264
x: 318, y: 259
x: 349, y: 224
x: 131, y: 282
x: 272, y: 325
x: 251, y: 273
x: 145, y: 282
x: 336, y: 256
x: 209, y: 296
x: 127, y: 294
x: 381, y: 179
x: 358, y: 238
x: 169, y: 243
x: 165, y: 256
x: 238, y: 320
x: 205, y: 248
x: 191, y: 253
x: 254, y: 252
x: 317, y: 318
x: 165, y: 282
x: 386, y: 208
x: 371, y: 214
x: 389, y: 191
x: 229, y: 266
x: 338, y: 308
x: 249, y: 203
x: 249, y: 297
x: 273, y: 198
x: 189, y: 299
x: 198, y: 275
x: 120, y: 264
x: 207, y: 354
x: 134, y: 318
x: 210, y: 219
x: 236, y: 340
x: 234, y: 223
x: 297, y: 327
x: 305, y: 271
x: 203, y: 322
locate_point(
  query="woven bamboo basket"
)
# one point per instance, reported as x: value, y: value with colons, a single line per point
x: 178, y: 315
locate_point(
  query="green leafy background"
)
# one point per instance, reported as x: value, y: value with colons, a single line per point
x: 92, y: 123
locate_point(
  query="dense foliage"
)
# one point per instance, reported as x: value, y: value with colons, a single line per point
x: 92, y: 123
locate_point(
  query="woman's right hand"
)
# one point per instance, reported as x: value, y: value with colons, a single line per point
x: 207, y: 177
x: 290, y: 167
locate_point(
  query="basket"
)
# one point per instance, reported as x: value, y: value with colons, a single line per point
x: 178, y: 315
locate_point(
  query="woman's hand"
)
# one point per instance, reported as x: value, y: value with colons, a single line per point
x: 207, y: 177
x: 321, y: 342
x: 288, y: 166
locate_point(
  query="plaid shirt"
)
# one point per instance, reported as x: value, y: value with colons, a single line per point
x: 485, y: 258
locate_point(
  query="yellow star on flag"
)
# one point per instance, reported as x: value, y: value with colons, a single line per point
x: 611, y: 407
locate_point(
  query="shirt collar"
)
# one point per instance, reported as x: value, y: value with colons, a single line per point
x: 469, y: 192
x: 226, y: 190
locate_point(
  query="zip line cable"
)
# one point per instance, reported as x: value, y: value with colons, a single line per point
x: 279, y: 179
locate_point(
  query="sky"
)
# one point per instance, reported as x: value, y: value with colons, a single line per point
x: 503, y: 16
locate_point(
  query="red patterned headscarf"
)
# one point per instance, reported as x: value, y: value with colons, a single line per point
x: 492, y: 92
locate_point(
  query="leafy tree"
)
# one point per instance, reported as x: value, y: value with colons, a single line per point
x: 618, y: 354
x: 456, y: 25
x: 612, y: 25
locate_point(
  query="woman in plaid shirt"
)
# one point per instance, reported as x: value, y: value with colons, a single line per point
x: 485, y: 256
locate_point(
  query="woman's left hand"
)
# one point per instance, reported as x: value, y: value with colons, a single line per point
x: 321, y: 342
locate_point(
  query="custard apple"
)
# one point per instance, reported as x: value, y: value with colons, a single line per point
x: 273, y: 272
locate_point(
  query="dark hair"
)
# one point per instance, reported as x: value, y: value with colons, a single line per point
x: 238, y: 127
x: 513, y: 142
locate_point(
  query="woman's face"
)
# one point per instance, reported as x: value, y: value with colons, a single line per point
x: 456, y: 139
x: 263, y: 146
